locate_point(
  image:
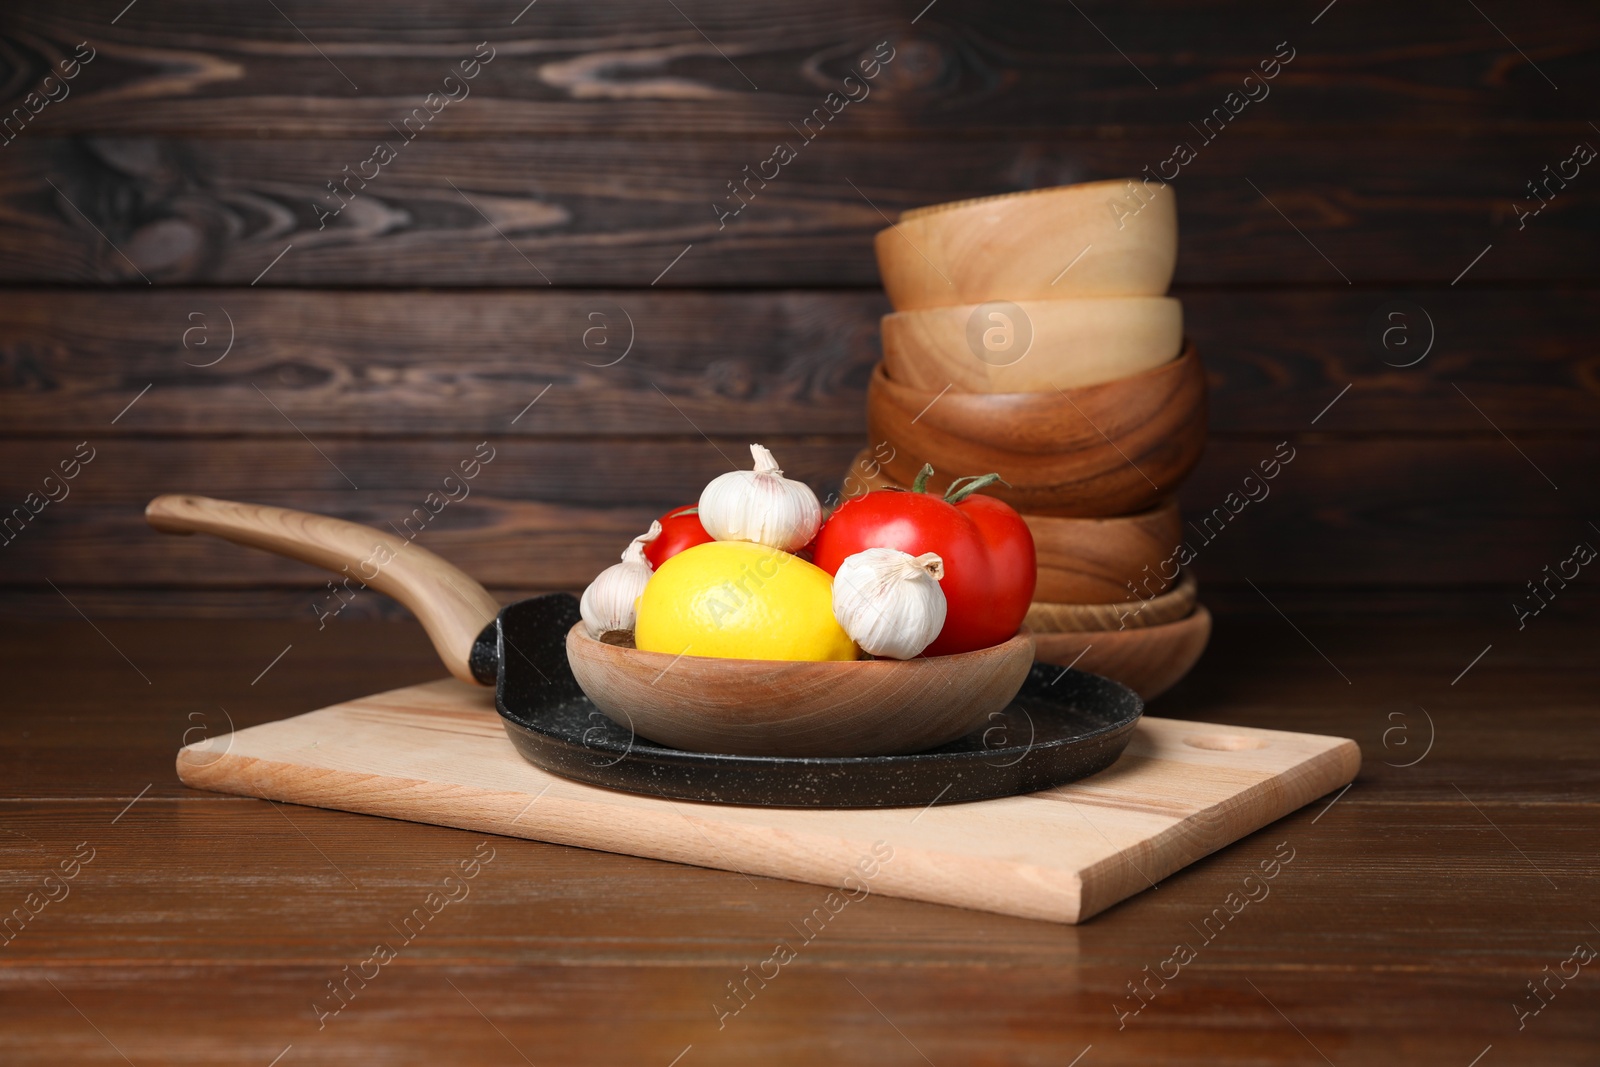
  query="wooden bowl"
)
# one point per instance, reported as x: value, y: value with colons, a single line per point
x: 1113, y: 238
x: 1095, y: 561
x: 1108, y: 449
x: 1031, y: 346
x: 1149, y: 661
x: 771, y: 708
x: 1176, y: 603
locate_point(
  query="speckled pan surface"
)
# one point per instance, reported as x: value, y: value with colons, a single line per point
x: 1063, y: 725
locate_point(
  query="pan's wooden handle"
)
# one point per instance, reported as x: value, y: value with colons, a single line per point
x: 452, y: 608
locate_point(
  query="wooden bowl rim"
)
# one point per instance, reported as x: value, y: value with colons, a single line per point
x: 1074, y: 303
x: 1006, y: 647
x: 1186, y: 583
x: 1186, y: 587
x: 1193, y: 620
x: 926, y: 210
x: 1177, y: 366
x: 1132, y: 518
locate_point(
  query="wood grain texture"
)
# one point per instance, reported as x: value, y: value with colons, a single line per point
x: 353, y: 361
x: 615, y: 362
x: 867, y: 707
x: 1115, y: 448
x: 551, y: 515
x: 1031, y: 345
x: 1104, y: 561
x: 1405, y: 921
x: 963, y: 67
x: 1008, y: 246
x: 436, y: 753
x: 1133, y: 613
x: 451, y: 607
x: 621, y: 212
x: 1147, y: 659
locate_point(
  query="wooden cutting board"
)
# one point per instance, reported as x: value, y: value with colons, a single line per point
x: 436, y: 753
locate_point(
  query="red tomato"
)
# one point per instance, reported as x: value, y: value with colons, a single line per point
x: 680, y: 529
x: 989, y: 566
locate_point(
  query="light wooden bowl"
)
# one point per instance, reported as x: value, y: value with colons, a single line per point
x: 1093, y: 561
x: 1094, y: 239
x: 1149, y: 661
x: 772, y: 708
x: 1032, y: 345
x: 1108, y: 449
x: 1135, y: 613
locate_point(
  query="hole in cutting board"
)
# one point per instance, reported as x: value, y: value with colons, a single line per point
x: 1224, y: 743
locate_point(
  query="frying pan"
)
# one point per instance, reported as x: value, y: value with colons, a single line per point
x: 1063, y: 724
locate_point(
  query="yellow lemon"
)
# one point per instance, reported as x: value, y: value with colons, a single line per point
x: 737, y: 600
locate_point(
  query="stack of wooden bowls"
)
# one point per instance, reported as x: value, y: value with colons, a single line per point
x: 1032, y: 336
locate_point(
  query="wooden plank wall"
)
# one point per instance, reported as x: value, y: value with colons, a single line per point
x: 175, y: 293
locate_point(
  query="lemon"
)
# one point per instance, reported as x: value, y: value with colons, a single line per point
x: 737, y: 600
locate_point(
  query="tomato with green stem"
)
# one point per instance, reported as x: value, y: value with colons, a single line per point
x: 988, y: 553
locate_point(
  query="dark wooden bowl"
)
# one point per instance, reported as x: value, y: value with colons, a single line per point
x: 1149, y: 661
x: 1094, y: 561
x: 1109, y: 449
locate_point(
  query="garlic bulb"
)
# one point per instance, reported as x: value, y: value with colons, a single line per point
x: 608, y: 605
x: 889, y: 601
x: 761, y: 505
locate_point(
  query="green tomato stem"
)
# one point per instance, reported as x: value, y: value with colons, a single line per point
x: 962, y: 488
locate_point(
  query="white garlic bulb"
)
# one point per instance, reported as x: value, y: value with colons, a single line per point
x: 889, y: 601
x: 608, y: 605
x: 761, y: 505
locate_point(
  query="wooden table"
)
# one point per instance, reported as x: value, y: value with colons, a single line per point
x: 207, y: 929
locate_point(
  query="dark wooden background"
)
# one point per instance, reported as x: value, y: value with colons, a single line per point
x: 166, y: 206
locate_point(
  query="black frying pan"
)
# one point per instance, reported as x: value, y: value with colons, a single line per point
x: 1063, y: 724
